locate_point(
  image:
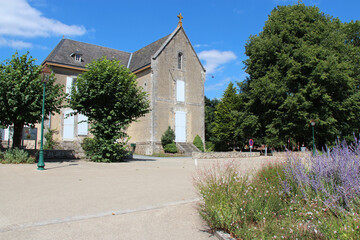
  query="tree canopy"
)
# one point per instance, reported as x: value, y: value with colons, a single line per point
x: 107, y: 93
x: 21, y: 94
x: 303, y: 66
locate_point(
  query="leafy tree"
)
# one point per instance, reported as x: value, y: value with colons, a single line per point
x: 21, y: 94
x: 225, y: 119
x: 303, y: 66
x: 107, y: 93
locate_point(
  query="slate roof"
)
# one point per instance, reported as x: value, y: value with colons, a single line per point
x: 66, y: 47
x: 142, y: 57
x: 64, y: 52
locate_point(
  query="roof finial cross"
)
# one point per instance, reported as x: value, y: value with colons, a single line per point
x: 180, y: 19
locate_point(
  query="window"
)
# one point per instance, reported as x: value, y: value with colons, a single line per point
x: 70, y: 81
x: 180, y: 60
x: 180, y: 91
x: 78, y: 57
x: 82, y: 125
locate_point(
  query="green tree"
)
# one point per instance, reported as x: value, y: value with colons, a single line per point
x: 210, y: 106
x: 198, y: 143
x: 107, y: 93
x: 21, y: 94
x: 168, y: 141
x: 168, y: 137
x: 302, y: 67
x: 225, y: 119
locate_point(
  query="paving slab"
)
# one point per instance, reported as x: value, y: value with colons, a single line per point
x: 147, y: 198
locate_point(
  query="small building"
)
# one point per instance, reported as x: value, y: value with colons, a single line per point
x: 168, y: 69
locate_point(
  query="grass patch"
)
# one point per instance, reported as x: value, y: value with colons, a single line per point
x: 293, y: 200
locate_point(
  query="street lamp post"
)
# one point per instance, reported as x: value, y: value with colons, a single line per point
x: 312, y: 123
x: 45, y: 75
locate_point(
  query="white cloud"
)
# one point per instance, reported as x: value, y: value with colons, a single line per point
x: 214, y: 59
x: 19, y: 19
x: 201, y: 45
x: 218, y: 85
x: 15, y: 44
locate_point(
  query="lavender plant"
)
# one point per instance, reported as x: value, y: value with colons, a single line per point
x: 333, y: 177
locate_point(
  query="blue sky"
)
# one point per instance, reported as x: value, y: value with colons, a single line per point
x: 218, y: 29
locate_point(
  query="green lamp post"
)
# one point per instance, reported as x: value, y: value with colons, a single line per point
x: 45, y: 75
x: 312, y: 123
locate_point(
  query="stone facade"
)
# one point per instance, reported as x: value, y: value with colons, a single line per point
x: 168, y: 70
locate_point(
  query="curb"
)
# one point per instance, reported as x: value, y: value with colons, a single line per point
x: 223, y: 236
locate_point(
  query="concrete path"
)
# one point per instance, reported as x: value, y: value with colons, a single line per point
x: 142, y: 199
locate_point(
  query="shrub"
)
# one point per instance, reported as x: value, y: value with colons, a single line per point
x: 16, y: 156
x: 168, y: 137
x: 210, y: 147
x: 98, y: 151
x: 170, y: 148
x: 198, y: 143
x: 49, y: 141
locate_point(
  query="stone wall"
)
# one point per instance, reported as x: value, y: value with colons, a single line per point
x: 212, y: 155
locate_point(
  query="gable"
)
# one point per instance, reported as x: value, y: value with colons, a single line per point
x: 171, y: 37
x: 68, y: 51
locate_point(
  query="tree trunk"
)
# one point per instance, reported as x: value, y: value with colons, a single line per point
x: 18, y: 129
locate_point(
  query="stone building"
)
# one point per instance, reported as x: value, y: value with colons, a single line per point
x: 168, y: 69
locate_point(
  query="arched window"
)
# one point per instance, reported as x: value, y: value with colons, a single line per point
x: 180, y: 60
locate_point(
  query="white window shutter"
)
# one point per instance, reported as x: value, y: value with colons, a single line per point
x: 82, y: 125
x: 180, y: 126
x: 180, y: 91
x: 69, y: 82
x: 68, y: 130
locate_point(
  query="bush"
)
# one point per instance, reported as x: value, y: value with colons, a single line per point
x: 16, y: 156
x: 210, y: 147
x: 170, y: 148
x: 102, y: 150
x: 168, y: 137
x: 198, y: 143
x: 49, y: 141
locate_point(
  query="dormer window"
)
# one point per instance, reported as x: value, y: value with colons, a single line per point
x: 77, y: 56
x: 180, y: 60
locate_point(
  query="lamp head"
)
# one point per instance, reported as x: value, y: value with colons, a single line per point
x: 312, y: 122
x: 45, y: 74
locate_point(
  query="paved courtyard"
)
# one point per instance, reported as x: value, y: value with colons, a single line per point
x: 147, y: 198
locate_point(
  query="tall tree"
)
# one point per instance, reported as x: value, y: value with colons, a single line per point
x: 301, y: 68
x: 21, y: 94
x: 210, y: 106
x: 225, y: 119
x: 109, y: 96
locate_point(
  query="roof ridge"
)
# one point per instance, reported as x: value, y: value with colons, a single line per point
x: 95, y: 45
